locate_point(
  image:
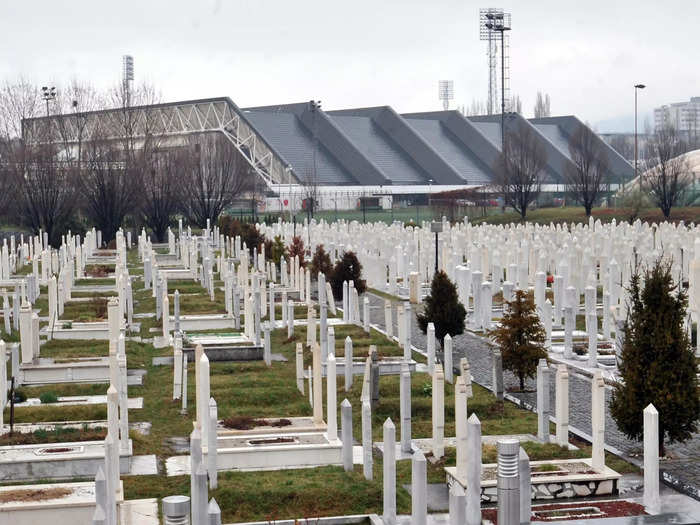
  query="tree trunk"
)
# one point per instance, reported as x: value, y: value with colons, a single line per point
x: 522, y: 382
x: 662, y: 448
x: 589, y: 208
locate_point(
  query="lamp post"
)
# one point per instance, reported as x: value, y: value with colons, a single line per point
x: 48, y: 93
x: 497, y: 22
x: 637, y: 87
x: 430, y: 195
x: 436, y: 227
x: 315, y: 106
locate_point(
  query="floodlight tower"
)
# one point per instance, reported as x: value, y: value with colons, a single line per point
x: 500, y: 23
x: 488, y: 35
x: 446, y: 92
x: 490, y: 21
x: 127, y: 77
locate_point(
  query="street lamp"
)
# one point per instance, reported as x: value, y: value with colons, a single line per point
x: 637, y: 87
x: 430, y: 193
x: 48, y: 93
x: 436, y: 228
x: 497, y: 22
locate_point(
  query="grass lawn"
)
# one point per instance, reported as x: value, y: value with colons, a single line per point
x: 577, y: 214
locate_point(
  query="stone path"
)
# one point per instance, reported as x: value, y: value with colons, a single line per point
x: 683, y: 471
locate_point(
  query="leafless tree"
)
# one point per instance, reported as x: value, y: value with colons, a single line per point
x: 162, y: 189
x: 216, y: 175
x: 542, y: 108
x: 44, y: 188
x: 73, y: 103
x: 310, y: 192
x: 477, y: 107
x: 18, y: 100
x: 667, y: 174
x: 109, y: 186
x: 37, y: 186
x: 514, y: 105
x: 520, y: 168
x: 586, y: 179
x: 622, y: 145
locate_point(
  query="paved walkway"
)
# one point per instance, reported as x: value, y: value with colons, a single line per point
x: 683, y: 468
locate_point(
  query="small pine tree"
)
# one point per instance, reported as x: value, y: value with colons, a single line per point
x: 297, y: 248
x: 274, y: 249
x: 521, y: 337
x: 348, y: 268
x: 442, y: 308
x: 321, y: 262
x: 657, y: 364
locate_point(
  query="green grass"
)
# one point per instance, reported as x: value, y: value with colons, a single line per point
x: 392, y: 298
x: 577, y: 214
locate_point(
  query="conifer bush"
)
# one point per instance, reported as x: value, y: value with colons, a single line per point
x: 348, y: 268
x: 442, y: 308
x: 321, y: 262
x: 297, y: 248
x: 657, y: 364
x: 520, y: 337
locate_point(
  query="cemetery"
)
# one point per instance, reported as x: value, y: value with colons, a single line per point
x: 203, y: 381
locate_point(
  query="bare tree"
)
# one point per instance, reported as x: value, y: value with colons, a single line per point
x: 622, y: 145
x: 586, y: 179
x: 44, y: 188
x: 162, y: 189
x: 514, y: 105
x: 110, y: 187
x: 520, y: 168
x: 667, y: 176
x: 36, y: 186
x: 477, y: 107
x: 216, y: 175
x: 18, y: 100
x: 73, y: 102
x: 542, y: 108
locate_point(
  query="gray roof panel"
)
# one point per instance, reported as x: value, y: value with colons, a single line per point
x: 555, y: 135
x: 491, y: 130
x: 380, y: 149
x: 284, y: 131
x: 470, y: 168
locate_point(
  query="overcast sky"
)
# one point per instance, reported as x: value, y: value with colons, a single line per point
x: 587, y: 54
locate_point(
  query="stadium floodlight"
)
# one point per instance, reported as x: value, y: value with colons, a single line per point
x: 500, y: 22
x: 446, y: 92
x: 48, y: 93
x: 127, y: 77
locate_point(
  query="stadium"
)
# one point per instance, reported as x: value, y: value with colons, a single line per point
x: 344, y: 158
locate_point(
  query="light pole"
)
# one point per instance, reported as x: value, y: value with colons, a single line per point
x: 48, y: 93
x: 497, y: 22
x: 430, y: 195
x: 436, y: 228
x: 315, y: 106
x: 637, y: 87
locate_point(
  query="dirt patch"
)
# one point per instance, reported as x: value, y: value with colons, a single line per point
x: 34, y: 494
x: 271, y: 441
x: 98, y: 270
x: 608, y: 509
x: 246, y: 423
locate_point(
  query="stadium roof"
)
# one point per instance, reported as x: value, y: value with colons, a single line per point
x: 377, y: 146
x: 372, y: 146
